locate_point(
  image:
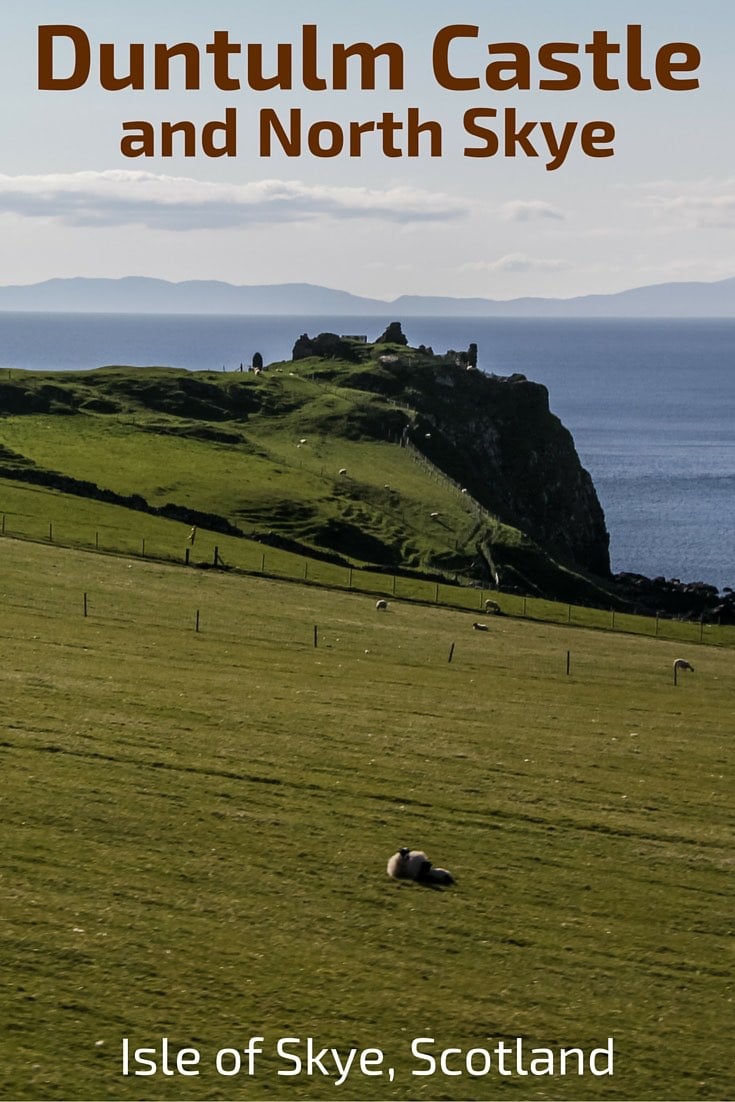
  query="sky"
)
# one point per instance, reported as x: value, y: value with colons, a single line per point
x: 379, y: 222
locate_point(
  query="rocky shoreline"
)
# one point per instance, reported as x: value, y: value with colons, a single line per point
x: 674, y: 599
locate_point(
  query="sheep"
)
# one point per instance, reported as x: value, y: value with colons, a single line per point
x: 434, y: 516
x: 440, y: 876
x: 492, y: 606
x: 342, y: 471
x: 480, y: 627
x: 681, y: 664
x: 382, y: 603
x: 408, y: 864
x: 413, y: 864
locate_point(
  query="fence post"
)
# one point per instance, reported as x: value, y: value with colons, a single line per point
x: 569, y: 660
x: 196, y: 626
x: 186, y: 556
x: 316, y: 636
x: 51, y: 533
x: 96, y: 541
x: 85, y: 605
x: 451, y: 652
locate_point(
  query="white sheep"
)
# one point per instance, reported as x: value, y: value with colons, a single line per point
x: 413, y: 864
x: 434, y: 516
x: 407, y: 864
x: 492, y: 606
x: 480, y: 627
x: 342, y: 471
x: 382, y: 603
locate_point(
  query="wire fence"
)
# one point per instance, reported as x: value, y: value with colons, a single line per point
x: 157, y: 539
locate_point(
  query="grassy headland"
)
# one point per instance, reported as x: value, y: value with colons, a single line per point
x: 488, y: 479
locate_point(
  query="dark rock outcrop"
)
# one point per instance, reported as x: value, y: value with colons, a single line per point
x: 497, y: 436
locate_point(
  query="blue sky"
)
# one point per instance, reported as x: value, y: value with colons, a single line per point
x: 662, y: 208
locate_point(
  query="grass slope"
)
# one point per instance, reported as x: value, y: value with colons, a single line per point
x: 196, y: 830
x: 231, y: 445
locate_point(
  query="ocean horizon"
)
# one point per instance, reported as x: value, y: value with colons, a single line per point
x: 650, y: 403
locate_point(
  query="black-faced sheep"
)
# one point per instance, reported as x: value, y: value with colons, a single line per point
x: 382, y: 603
x: 480, y: 627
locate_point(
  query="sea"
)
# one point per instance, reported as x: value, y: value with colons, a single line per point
x: 650, y: 403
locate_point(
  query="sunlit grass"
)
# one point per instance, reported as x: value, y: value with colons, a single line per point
x: 197, y: 825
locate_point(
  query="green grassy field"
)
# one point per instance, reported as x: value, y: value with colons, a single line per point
x: 254, y: 471
x: 197, y: 826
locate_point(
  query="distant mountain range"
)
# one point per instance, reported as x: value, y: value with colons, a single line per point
x: 142, y: 295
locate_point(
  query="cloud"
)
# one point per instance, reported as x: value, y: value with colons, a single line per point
x: 699, y: 211
x: 515, y: 262
x: 702, y: 204
x: 519, y: 210
x: 125, y: 198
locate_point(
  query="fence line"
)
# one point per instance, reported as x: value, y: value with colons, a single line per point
x: 277, y: 564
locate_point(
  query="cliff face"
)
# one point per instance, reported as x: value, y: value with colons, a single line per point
x: 497, y: 437
x: 518, y: 460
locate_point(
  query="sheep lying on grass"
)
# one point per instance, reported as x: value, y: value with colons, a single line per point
x: 413, y: 864
x: 382, y: 603
x: 480, y: 627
